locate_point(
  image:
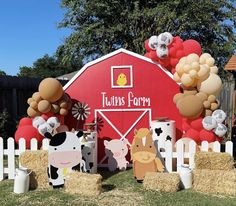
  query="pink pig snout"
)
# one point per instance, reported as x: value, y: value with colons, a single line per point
x: 116, y: 154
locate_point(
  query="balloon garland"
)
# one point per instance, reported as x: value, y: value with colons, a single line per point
x: 197, y: 75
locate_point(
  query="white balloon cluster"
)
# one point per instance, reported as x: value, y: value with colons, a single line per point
x: 215, y: 122
x: 160, y: 43
x: 44, y: 126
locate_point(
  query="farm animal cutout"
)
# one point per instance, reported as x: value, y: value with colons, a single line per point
x: 143, y: 154
x: 116, y: 150
x: 87, y: 153
x: 64, y: 154
x: 121, y: 79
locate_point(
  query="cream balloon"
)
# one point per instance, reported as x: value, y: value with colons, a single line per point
x: 212, y: 85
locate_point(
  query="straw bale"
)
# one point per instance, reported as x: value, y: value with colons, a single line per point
x: 218, y: 182
x: 214, y: 161
x: 34, y: 159
x: 165, y: 182
x: 37, y: 163
x: 83, y: 184
x: 39, y: 179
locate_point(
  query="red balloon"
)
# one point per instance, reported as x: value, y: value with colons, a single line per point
x: 219, y: 139
x: 27, y: 132
x: 174, y: 62
x: 192, y: 46
x: 147, y: 55
x: 208, y: 136
x: 25, y: 121
x: 185, y: 124
x: 147, y: 46
x: 153, y: 55
x: 193, y: 134
x: 179, y: 54
x: 196, y: 124
x: 172, y: 51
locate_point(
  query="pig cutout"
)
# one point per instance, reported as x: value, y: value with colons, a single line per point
x: 116, y: 150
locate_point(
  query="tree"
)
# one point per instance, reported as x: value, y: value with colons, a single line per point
x: 101, y: 26
x: 47, y: 66
x: 2, y: 73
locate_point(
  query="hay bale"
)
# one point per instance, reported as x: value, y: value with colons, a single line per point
x: 83, y: 183
x: 214, y: 161
x: 37, y: 163
x: 164, y: 182
x: 217, y: 182
x: 34, y: 159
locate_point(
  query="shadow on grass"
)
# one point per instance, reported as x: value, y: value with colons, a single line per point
x: 107, y: 174
x: 108, y: 187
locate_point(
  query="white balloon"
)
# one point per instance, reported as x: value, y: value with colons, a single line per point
x: 209, y: 123
x: 162, y: 51
x: 219, y: 115
x: 220, y: 130
x: 165, y: 38
x: 37, y: 121
x: 53, y: 122
x: 45, y: 127
x: 152, y: 42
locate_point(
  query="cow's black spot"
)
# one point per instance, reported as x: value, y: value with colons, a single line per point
x: 168, y: 138
x: 168, y: 124
x: 79, y: 134
x: 82, y: 146
x: 89, y: 153
x: 58, y: 139
x: 158, y: 131
x: 90, y: 165
x: 74, y: 148
x: 53, y: 172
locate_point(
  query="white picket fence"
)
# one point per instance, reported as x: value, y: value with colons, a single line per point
x: 168, y: 155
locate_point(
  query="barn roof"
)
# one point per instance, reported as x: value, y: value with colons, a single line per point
x: 231, y: 65
x: 113, y: 54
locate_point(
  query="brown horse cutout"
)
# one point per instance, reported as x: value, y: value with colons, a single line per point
x: 143, y: 154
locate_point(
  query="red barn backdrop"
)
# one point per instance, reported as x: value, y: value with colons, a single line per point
x: 124, y: 91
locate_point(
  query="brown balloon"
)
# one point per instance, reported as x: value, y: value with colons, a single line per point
x: 63, y: 111
x: 30, y: 100
x: 44, y: 106
x: 36, y: 96
x: 63, y: 104
x: 50, y: 89
x: 34, y: 105
x: 32, y: 112
x: 190, y: 106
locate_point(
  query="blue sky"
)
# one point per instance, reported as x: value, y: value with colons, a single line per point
x: 28, y: 30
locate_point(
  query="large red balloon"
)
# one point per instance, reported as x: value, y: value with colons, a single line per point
x: 25, y: 121
x: 193, y: 134
x: 196, y: 124
x: 27, y: 132
x: 208, y: 136
x: 192, y: 46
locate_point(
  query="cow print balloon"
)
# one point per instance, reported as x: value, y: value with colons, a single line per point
x: 209, y: 123
x: 219, y: 115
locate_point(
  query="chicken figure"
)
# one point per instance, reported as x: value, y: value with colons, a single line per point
x: 121, y: 79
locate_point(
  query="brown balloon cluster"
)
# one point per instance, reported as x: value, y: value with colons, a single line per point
x: 49, y: 98
x: 201, y: 85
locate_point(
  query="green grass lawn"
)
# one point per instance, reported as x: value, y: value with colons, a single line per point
x: 119, y: 189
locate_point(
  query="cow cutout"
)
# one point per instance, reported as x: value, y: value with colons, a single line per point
x: 143, y: 154
x: 116, y: 150
x: 64, y: 155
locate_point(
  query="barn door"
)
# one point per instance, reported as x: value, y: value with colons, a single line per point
x: 119, y: 124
